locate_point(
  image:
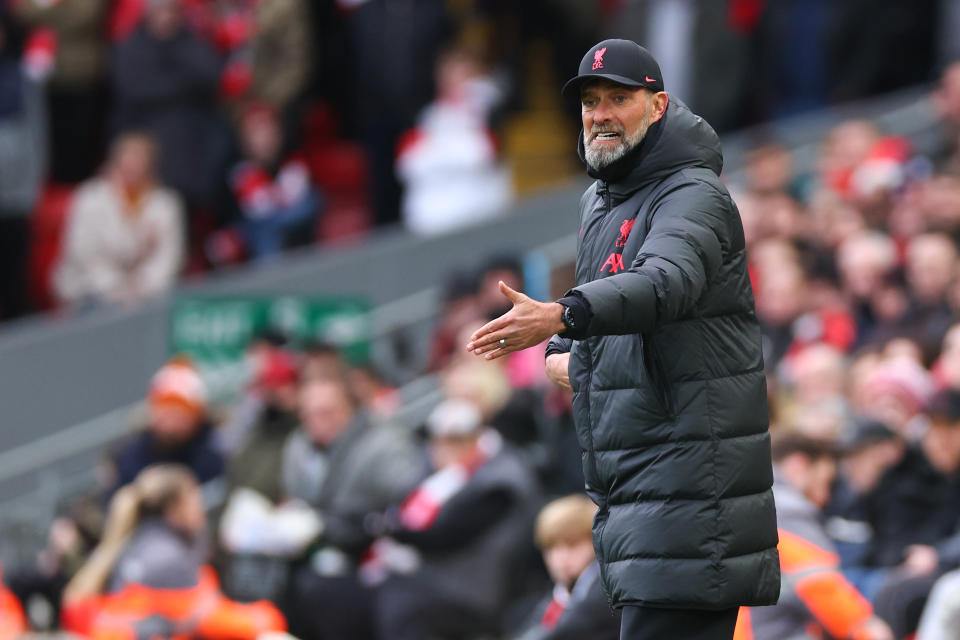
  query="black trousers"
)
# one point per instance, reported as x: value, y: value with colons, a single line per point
x: 647, y: 623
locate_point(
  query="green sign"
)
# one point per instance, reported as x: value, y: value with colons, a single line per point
x: 215, y: 331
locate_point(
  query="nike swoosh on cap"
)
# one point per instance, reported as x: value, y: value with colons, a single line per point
x: 648, y: 79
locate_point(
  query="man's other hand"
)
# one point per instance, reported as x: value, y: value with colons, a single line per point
x: 558, y: 365
x: 528, y: 323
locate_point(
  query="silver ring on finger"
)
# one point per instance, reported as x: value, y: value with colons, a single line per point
x: 503, y: 342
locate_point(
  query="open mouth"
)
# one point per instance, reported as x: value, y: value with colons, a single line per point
x: 606, y: 136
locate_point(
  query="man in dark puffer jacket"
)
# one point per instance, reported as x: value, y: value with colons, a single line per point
x: 660, y: 343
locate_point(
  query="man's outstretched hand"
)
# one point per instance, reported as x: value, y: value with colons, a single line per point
x: 528, y: 323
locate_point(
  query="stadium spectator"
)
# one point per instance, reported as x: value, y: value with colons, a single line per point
x: 448, y: 164
x: 392, y: 51
x: 270, y: 51
x: 336, y: 469
x: 70, y: 33
x: 815, y: 597
x: 461, y: 534
x: 865, y: 260
x: 459, y: 308
x: 73, y: 534
x: 941, y: 615
x: 272, y: 191
x: 868, y: 449
x: 164, y: 81
x: 147, y: 576
x: 913, y: 515
x: 177, y: 431
x: 577, y: 609
x: 895, y: 391
x: 256, y: 462
x: 13, y: 618
x: 124, y: 240
x: 931, y: 261
x: 23, y: 163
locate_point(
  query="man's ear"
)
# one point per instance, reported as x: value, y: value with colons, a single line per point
x: 660, y: 100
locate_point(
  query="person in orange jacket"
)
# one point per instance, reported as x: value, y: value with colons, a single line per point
x: 147, y: 576
x: 13, y: 620
x: 816, y: 600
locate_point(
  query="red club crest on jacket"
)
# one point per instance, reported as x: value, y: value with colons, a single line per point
x: 625, y: 228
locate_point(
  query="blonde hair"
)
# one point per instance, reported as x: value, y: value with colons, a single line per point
x: 152, y: 492
x: 568, y: 519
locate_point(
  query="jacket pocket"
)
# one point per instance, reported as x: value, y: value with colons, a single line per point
x: 657, y: 376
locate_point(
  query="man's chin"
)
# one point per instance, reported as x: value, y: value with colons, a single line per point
x: 600, y: 158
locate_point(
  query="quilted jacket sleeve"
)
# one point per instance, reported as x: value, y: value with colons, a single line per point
x: 685, y: 246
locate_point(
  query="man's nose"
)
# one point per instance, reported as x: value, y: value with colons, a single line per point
x: 602, y: 112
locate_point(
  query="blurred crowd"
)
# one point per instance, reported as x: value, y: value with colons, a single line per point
x: 141, y: 139
x: 308, y: 505
x: 314, y: 504
x: 855, y: 270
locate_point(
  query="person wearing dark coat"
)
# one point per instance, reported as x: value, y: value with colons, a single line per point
x: 462, y: 531
x: 164, y: 80
x: 913, y: 515
x: 660, y: 344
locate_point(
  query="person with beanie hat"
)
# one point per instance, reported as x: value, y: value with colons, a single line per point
x: 660, y: 343
x: 178, y: 429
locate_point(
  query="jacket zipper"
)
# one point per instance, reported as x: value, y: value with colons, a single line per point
x: 604, y: 191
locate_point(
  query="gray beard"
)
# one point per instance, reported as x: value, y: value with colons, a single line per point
x: 598, y: 158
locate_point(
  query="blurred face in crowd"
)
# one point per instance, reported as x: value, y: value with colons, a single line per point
x: 931, y: 259
x: 863, y: 468
x: 325, y: 410
x: 864, y: 260
x: 163, y: 18
x: 615, y: 119
x: 769, y: 169
x: 132, y: 161
x: 847, y: 145
x: 454, y: 72
x: 819, y: 373
x: 941, y: 444
x: 261, y: 137
x: 948, y: 95
x: 939, y: 202
x: 567, y: 559
x: 813, y: 478
x: 172, y: 423
x: 449, y: 450
x: 187, y: 512
x: 781, y: 294
x: 829, y: 221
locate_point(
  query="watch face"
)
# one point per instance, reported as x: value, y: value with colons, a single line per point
x: 568, y: 318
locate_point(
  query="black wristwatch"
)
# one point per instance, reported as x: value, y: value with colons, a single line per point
x: 569, y: 319
x: 574, y: 319
x: 576, y: 316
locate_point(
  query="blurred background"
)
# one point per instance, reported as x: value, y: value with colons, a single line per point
x: 247, y: 238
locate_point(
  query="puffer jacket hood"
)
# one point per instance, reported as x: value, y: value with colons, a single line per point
x: 678, y: 140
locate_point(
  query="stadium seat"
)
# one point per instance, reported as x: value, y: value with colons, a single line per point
x: 47, y: 226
